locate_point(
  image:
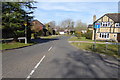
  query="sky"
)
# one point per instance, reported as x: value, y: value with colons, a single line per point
x: 84, y: 11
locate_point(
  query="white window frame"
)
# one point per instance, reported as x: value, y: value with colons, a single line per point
x: 117, y: 24
x: 106, y: 24
x: 104, y: 35
x: 115, y: 35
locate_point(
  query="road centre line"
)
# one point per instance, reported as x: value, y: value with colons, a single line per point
x: 28, y: 77
x: 50, y: 48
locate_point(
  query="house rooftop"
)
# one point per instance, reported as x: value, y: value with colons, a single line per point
x: 90, y: 25
x: 114, y: 16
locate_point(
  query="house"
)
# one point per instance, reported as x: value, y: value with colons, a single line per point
x: 84, y: 31
x: 37, y: 26
x: 90, y: 27
x: 109, y: 27
x: 62, y: 32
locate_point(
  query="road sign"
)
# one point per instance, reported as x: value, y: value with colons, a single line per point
x: 97, y: 25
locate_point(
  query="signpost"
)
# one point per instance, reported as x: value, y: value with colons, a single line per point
x: 95, y: 25
x: 25, y: 33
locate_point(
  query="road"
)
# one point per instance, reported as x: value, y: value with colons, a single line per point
x: 56, y: 58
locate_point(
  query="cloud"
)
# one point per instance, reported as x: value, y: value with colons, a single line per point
x: 77, y: 0
x: 49, y: 11
x: 56, y: 6
x: 77, y: 7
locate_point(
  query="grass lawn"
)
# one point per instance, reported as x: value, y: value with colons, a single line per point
x: 112, y: 50
x: 13, y: 45
x: 81, y: 39
x: 49, y: 37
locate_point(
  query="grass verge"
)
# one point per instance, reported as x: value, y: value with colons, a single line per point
x: 111, y: 50
x: 81, y: 39
x: 5, y: 46
x: 49, y: 37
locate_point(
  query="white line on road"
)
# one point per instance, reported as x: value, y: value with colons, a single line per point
x: 50, y: 48
x: 35, y: 68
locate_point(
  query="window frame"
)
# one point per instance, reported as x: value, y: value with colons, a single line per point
x: 106, y: 24
x: 104, y: 35
x: 118, y: 24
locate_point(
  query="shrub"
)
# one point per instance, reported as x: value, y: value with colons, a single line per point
x: 88, y: 35
x: 78, y: 34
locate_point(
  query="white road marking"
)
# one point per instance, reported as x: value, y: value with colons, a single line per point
x: 50, y: 48
x: 35, y: 68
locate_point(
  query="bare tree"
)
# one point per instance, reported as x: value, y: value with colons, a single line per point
x: 67, y: 23
x: 80, y: 25
x: 52, y: 24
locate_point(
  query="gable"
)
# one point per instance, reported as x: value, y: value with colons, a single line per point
x: 104, y: 19
x: 110, y: 17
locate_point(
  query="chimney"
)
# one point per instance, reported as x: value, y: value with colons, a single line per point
x: 94, y: 18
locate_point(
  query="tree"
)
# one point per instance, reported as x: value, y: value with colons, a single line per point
x: 80, y: 26
x: 50, y: 27
x: 14, y: 16
x: 52, y: 24
x: 68, y: 24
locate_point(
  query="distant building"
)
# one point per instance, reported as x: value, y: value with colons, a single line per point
x: 110, y: 27
x: 61, y: 32
x: 37, y: 26
x: 90, y: 27
x: 84, y: 31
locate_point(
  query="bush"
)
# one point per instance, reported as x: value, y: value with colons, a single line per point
x: 78, y: 34
x: 88, y: 35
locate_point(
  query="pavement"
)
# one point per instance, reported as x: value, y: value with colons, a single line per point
x: 56, y: 58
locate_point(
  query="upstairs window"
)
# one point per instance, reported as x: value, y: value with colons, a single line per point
x: 117, y: 24
x: 106, y: 24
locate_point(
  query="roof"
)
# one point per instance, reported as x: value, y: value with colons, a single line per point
x: 114, y: 16
x: 90, y: 25
x: 37, y: 21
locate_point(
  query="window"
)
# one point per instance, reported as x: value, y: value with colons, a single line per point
x: 117, y: 24
x: 104, y: 35
x: 114, y: 35
x: 106, y: 24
